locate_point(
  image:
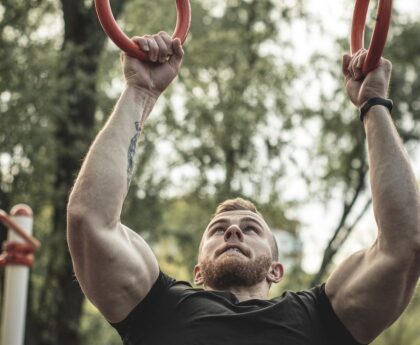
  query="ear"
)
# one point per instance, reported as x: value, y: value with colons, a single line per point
x: 198, y: 278
x: 275, y: 273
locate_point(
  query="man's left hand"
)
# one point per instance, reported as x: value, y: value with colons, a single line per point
x: 361, y: 88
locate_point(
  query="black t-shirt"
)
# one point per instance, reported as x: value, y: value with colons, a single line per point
x: 174, y: 313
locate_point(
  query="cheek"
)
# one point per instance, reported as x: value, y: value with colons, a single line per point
x: 208, y: 247
x: 260, y: 246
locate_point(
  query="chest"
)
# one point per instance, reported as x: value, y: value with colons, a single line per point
x: 200, y: 320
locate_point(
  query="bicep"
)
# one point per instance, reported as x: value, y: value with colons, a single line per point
x: 371, y: 289
x: 115, y: 268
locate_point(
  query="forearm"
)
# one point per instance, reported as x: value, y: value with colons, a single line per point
x: 103, y: 181
x: 395, y: 193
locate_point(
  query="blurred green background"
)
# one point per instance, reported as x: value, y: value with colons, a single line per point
x: 257, y: 112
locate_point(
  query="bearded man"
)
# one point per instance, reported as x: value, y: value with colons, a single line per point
x: 238, y: 256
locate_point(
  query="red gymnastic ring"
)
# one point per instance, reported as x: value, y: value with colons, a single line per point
x: 110, y: 26
x: 380, y: 33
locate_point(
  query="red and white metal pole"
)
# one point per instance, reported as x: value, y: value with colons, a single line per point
x: 18, y: 257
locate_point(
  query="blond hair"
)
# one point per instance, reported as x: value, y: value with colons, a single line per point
x: 236, y: 205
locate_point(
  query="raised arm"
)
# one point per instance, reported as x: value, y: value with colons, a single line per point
x: 113, y: 264
x: 372, y: 288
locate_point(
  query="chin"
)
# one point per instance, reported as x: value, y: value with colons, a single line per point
x: 234, y: 270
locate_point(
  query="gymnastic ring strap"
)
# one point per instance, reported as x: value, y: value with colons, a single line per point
x: 380, y: 33
x: 111, y: 28
x: 16, y: 253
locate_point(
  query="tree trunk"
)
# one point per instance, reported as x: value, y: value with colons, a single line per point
x: 62, y: 300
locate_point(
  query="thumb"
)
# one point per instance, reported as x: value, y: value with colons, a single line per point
x: 176, y: 59
x: 346, y: 64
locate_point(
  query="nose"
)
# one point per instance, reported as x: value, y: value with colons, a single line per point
x: 233, y: 233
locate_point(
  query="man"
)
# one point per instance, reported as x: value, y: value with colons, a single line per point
x: 238, y: 259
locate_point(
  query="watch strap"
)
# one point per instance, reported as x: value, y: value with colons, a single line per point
x: 372, y: 102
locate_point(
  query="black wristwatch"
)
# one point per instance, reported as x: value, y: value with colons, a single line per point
x: 375, y: 101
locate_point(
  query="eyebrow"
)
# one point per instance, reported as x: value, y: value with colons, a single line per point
x: 243, y: 220
x: 222, y: 220
x: 253, y: 220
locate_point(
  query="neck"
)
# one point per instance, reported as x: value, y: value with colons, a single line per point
x: 258, y: 291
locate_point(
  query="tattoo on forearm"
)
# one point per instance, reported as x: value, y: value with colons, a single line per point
x: 132, y: 153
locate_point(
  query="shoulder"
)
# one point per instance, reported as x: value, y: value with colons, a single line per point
x: 163, y: 291
x: 318, y: 308
x: 309, y: 298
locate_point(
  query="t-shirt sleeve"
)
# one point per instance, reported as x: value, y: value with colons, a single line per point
x: 332, y: 328
x: 145, y: 311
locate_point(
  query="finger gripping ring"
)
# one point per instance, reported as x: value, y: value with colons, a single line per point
x: 380, y: 33
x: 111, y: 28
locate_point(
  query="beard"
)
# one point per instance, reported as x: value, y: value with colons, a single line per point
x: 231, y: 271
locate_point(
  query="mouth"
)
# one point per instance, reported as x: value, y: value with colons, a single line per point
x: 232, y: 250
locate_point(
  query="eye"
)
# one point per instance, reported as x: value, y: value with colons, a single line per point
x: 249, y: 229
x: 219, y: 231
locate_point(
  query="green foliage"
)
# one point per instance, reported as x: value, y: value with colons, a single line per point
x: 341, y: 153
x: 26, y: 99
x: 214, y: 125
x: 223, y: 130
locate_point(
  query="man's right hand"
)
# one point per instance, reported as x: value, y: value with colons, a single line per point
x: 154, y: 76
